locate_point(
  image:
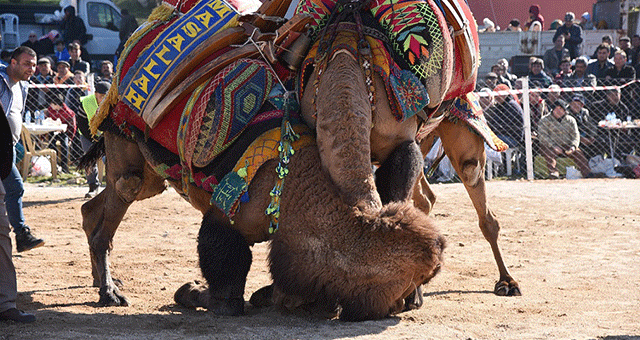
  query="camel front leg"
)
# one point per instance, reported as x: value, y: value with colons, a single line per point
x: 466, y: 152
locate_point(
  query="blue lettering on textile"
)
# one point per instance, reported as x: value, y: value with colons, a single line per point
x: 174, y: 43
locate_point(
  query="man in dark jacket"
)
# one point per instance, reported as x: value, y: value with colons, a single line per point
x: 76, y: 62
x: 73, y: 28
x: 572, y: 34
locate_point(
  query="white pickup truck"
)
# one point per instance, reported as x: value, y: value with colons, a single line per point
x: 101, y: 18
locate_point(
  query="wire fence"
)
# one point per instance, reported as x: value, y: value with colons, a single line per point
x: 571, y: 129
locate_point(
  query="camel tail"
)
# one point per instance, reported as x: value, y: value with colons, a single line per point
x: 89, y: 159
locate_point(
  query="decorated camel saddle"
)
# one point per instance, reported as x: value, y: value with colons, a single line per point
x: 199, y: 81
x: 426, y: 52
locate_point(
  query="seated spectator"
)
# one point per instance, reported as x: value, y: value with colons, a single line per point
x: 499, y: 70
x: 489, y: 26
x: 635, y: 48
x: 620, y: 71
x: 72, y: 98
x: 46, y: 43
x: 536, y: 26
x: 553, y: 56
x: 5, y: 57
x: 61, y: 53
x: 106, y: 71
x: 534, y: 15
x: 565, y: 72
x: 599, y: 66
x: 572, y: 34
x: 505, y: 65
x: 491, y: 80
x: 611, y: 104
x: 32, y: 42
x: 585, y: 21
x: 580, y: 77
x: 555, y: 25
x: 45, y: 76
x: 555, y: 93
x: 59, y: 110
x: 625, y: 45
x: 538, y: 109
x: 587, y: 126
x: 606, y: 39
x: 558, y: 135
x: 64, y: 77
x: 514, y: 25
x: 537, y: 75
x: 76, y: 62
x: 505, y: 117
x: 83, y: 52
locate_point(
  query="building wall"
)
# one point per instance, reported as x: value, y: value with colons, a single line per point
x: 502, y: 11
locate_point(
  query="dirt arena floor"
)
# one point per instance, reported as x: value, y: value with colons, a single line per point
x: 574, y: 246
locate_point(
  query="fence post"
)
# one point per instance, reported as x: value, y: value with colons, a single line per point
x: 527, y: 127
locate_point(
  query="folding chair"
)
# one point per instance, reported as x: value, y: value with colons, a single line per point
x: 30, y: 152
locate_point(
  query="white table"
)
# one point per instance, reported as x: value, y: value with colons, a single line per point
x: 38, y: 132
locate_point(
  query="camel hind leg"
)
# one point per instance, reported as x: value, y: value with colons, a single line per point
x: 129, y: 178
x: 466, y: 152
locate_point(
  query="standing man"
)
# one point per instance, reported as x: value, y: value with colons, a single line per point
x: 75, y: 60
x: 13, y: 94
x: 73, y: 28
x: 8, y: 285
x: 572, y: 34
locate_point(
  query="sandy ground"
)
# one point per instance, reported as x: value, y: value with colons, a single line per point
x: 574, y: 246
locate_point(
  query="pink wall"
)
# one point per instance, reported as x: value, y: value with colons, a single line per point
x: 502, y: 11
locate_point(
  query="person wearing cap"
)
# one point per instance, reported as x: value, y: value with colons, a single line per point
x: 45, y: 76
x: 491, y: 80
x: 585, y: 21
x: 84, y: 115
x: 625, y: 45
x: 553, y: 56
x: 558, y: 136
x: 572, y: 34
x: 587, y: 126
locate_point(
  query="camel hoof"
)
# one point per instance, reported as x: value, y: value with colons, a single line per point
x: 227, y: 307
x: 504, y: 288
x: 190, y: 295
x: 414, y: 300
x: 112, y: 299
x: 263, y: 297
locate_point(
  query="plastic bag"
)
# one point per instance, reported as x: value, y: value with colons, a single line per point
x: 573, y: 173
x: 606, y: 166
x: 41, y: 166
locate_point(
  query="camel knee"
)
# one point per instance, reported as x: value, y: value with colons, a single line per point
x: 490, y: 226
x: 128, y: 188
x: 472, y: 172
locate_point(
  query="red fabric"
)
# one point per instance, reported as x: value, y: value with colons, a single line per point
x: 66, y: 116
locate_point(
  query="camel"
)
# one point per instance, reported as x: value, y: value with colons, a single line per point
x: 350, y: 135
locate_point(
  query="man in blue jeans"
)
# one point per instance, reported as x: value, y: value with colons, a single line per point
x: 13, y: 96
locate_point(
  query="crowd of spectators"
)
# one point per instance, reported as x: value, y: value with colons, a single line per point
x: 564, y: 123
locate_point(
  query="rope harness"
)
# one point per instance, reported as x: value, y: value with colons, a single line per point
x: 343, y: 10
